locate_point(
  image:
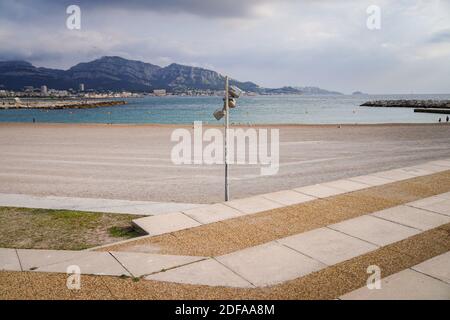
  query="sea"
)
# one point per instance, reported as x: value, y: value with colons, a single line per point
x: 282, y: 109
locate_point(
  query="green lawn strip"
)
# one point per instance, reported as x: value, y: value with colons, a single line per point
x: 25, y: 228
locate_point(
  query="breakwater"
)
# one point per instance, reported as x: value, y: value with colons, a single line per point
x: 60, y: 104
x: 417, y: 104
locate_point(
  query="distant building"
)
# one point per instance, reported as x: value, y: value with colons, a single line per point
x: 159, y: 92
x: 44, y: 89
x: 28, y: 88
x: 58, y: 93
x: 81, y: 87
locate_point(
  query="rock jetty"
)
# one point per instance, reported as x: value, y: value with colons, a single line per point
x: 60, y: 104
x: 417, y: 104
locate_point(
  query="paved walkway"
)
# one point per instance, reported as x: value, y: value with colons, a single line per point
x: 291, y: 257
x: 90, y: 262
x: 429, y: 280
x: 302, y: 255
x: 188, y: 215
x: 144, y: 208
x: 185, y: 219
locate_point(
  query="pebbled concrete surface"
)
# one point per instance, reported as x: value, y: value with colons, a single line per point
x: 235, y: 234
x: 328, y: 283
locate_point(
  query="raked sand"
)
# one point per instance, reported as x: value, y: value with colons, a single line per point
x: 132, y: 162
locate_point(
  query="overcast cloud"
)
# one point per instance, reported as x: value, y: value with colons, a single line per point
x: 272, y: 42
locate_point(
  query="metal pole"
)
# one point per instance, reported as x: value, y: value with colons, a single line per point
x: 227, y: 191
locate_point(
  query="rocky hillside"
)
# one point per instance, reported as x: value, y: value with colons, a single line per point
x: 116, y: 73
x: 17, y: 74
x: 298, y: 90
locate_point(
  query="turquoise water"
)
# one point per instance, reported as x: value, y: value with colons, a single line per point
x: 254, y: 110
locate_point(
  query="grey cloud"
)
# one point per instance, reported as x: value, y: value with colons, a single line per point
x: 209, y: 8
x: 299, y: 43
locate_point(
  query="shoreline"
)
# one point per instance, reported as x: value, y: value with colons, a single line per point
x: 170, y: 125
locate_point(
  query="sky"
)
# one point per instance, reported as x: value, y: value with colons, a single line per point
x: 274, y: 43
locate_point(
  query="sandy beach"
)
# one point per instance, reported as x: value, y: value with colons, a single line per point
x: 133, y: 161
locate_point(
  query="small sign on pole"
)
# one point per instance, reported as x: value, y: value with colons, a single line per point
x: 232, y: 93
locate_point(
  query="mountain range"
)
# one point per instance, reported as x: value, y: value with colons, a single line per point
x: 112, y: 73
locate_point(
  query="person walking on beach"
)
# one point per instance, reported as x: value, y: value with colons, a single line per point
x: 446, y: 119
x: 440, y: 120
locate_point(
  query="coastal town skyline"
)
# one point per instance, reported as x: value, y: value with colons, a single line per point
x: 272, y: 43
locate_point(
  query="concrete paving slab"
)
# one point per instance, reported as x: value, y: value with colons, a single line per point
x: 395, y: 175
x: 374, y: 230
x: 93, y: 205
x: 405, y: 285
x: 437, y: 204
x: 320, y: 191
x: 153, y: 209
x: 97, y: 263
x: 437, y: 267
x: 166, y: 223
x: 371, y: 180
x: 33, y: 258
x: 328, y: 246
x: 288, y: 197
x: 139, y: 264
x: 253, y: 204
x: 9, y: 260
x: 207, y: 272
x: 269, y: 264
x: 442, y: 163
x: 413, y: 217
x: 212, y: 213
x: 416, y: 171
x: 444, y: 195
x: 430, y: 167
x: 347, y: 185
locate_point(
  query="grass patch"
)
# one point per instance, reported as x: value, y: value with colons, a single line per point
x: 127, y: 232
x: 62, y: 229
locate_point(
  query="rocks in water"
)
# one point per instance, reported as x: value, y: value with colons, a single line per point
x: 63, y: 104
x: 441, y: 104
